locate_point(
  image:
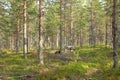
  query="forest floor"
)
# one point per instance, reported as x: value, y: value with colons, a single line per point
x: 83, y: 64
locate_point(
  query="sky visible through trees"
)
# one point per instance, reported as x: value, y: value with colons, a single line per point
x: 61, y: 29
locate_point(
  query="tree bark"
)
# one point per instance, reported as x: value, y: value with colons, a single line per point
x: 60, y: 26
x: 65, y: 43
x: 40, y: 35
x: 106, y: 26
x: 81, y: 43
x: 57, y: 40
x: 92, y: 32
x: 17, y: 36
x: 24, y: 30
x: 71, y: 23
x: 114, y: 34
x: 52, y: 41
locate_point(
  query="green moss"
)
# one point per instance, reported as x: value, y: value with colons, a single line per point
x: 84, y: 59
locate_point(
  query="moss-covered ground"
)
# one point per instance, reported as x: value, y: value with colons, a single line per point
x: 83, y: 64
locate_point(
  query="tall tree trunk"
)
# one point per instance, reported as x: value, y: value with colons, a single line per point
x: 91, y: 26
x: 114, y: 33
x: 92, y: 32
x: 71, y: 23
x: 57, y: 40
x: 11, y: 42
x: 40, y: 35
x: 80, y: 35
x: 81, y: 40
x: 52, y: 41
x: 17, y: 36
x: 28, y: 34
x: 30, y: 39
x: 106, y: 26
x: 65, y: 43
x: 60, y: 26
x: 24, y: 30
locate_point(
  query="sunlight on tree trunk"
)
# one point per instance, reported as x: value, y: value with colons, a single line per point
x: 24, y: 30
x: 40, y: 35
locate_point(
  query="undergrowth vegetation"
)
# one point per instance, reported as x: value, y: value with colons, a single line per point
x: 85, y: 63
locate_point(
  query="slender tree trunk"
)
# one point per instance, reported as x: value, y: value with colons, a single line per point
x: 40, y: 35
x: 11, y: 42
x: 24, y: 30
x: 52, y: 42
x: 106, y: 26
x: 71, y: 23
x: 106, y: 33
x: 81, y: 38
x: 91, y: 26
x: 92, y: 33
x: 114, y: 33
x: 111, y: 37
x: 30, y: 40
x: 60, y: 26
x: 57, y: 40
x: 67, y: 36
x: 17, y: 36
x: 28, y: 35
x: 65, y: 43
x: 80, y: 35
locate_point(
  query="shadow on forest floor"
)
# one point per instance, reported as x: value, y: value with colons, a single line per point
x: 83, y: 64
